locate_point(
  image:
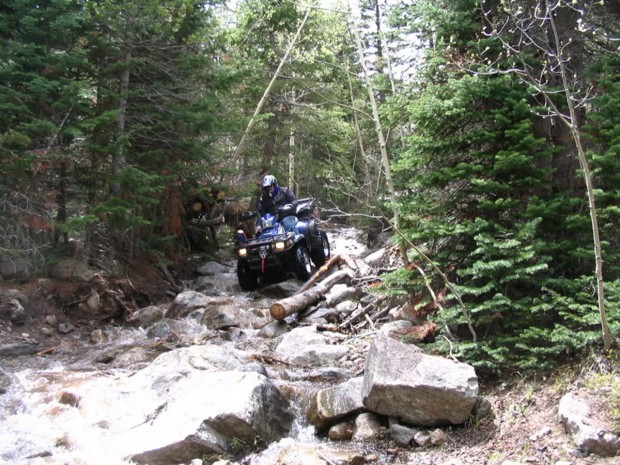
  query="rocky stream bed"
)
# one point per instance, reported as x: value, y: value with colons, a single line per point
x: 203, y: 374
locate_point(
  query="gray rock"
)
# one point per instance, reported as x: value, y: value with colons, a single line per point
x: 402, y: 434
x: 332, y: 404
x: 574, y: 413
x: 341, y: 432
x: 12, y: 310
x: 212, y: 268
x: 424, y: 390
x: 367, y: 427
x: 146, y: 316
x: 189, y: 302
x: 17, y: 268
x: 304, y: 346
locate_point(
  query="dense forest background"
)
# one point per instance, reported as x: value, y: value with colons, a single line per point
x: 486, y: 135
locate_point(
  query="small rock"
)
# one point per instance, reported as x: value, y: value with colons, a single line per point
x: 341, y: 432
x: 47, y: 331
x: 367, y: 427
x: 543, y: 432
x: 422, y: 438
x: 438, y: 437
x: 65, y: 328
x: 69, y: 398
x: 97, y: 336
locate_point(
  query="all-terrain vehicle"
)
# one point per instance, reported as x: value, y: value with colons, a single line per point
x: 274, y: 252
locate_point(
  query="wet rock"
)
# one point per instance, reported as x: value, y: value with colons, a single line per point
x: 307, y: 454
x: 97, y: 336
x: 205, y: 411
x: 304, y: 346
x: 212, y: 268
x: 281, y: 290
x: 274, y: 329
x: 341, y: 431
x: 18, y: 349
x: 145, y: 316
x: 69, y: 398
x: 332, y: 404
x: 221, y: 316
x: 590, y: 436
x: 189, y: 303
x: 423, y: 390
x: 133, y: 358
x: 5, y: 381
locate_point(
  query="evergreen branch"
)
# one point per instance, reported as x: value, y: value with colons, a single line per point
x: 445, y: 279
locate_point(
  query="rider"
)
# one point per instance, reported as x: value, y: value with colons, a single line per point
x: 274, y: 198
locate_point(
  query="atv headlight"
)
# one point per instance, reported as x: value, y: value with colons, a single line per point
x: 279, y: 246
x: 242, y: 252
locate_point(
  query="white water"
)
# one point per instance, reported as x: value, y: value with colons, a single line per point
x: 38, y: 427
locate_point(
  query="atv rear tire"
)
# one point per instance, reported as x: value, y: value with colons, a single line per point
x: 320, y: 249
x: 247, y: 279
x: 302, y: 266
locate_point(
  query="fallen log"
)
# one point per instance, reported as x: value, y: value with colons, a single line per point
x: 297, y: 302
x: 322, y: 271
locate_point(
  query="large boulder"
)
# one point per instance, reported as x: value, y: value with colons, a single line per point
x: 207, y: 413
x: 425, y: 390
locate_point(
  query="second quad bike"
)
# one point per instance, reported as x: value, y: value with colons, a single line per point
x: 274, y: 252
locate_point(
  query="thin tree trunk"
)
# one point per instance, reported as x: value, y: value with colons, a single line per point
x: 573, y: 124
x: 118, y: 158
x: 241, y: 146
x: 291, y: 161
x: 367, y: 185
x: 380, y: 138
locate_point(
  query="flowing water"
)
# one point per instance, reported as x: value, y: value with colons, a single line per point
x: 43, y: 422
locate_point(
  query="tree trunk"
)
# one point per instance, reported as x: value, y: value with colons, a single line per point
x: 118, y: 159
x: 573, y: 125
x: 380, y: 138
x: 298, y: 302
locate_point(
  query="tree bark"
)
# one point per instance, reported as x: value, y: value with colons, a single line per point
x: 385, y: 159
x: 573, y: 125
x: 298, y: 302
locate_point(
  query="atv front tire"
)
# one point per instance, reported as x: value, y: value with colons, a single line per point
x: 320, y: 249
x: 301, y: 265
x: 247, y: 279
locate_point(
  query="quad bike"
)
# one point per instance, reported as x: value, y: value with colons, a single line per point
x: 274, y: 252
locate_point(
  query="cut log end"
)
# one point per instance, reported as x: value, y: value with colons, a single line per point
x: 277, y: 312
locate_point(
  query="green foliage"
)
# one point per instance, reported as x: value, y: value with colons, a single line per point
x: 489, y: 195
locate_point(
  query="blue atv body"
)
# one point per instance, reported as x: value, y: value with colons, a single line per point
x: 276, y: 253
